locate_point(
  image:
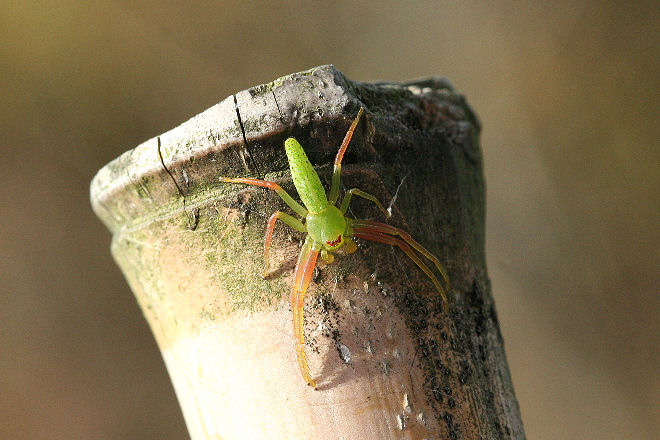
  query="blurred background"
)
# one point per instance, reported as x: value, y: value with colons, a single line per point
x: 567, y: 92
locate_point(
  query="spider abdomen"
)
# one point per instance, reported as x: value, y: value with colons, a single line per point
x: 307, y: 182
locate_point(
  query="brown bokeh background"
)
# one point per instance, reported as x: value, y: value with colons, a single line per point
x: 567, y: 93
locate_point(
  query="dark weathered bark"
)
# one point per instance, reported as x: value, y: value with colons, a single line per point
x: 418, y: 151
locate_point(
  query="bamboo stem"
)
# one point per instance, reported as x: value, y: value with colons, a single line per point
x: 388, y: 362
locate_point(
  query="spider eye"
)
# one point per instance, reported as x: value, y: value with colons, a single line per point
x: 335, y: 242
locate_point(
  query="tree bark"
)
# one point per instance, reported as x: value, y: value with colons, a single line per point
x: 389, y: 363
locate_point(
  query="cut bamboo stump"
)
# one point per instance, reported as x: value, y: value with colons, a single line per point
x: 389, y: 363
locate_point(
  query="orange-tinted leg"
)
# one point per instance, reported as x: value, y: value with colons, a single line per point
x: 270, y: 228
x: 373, y: 234
x: 297, y: 207
x: 303, y: 276
x: 336, y: 173
x: 391, y: 230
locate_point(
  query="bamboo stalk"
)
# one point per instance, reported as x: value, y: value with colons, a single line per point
x: 389, y: 363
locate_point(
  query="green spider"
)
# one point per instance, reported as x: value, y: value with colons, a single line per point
x: 328, y: 229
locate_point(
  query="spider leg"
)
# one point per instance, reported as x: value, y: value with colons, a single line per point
x: 378, y: 232
x: 270, y: 228
x: 303, y: 275
x: 298, y: 274
x: 336, y: 173
x: 359, y: 192
x: 297, y: 207
x: 391, y: 230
